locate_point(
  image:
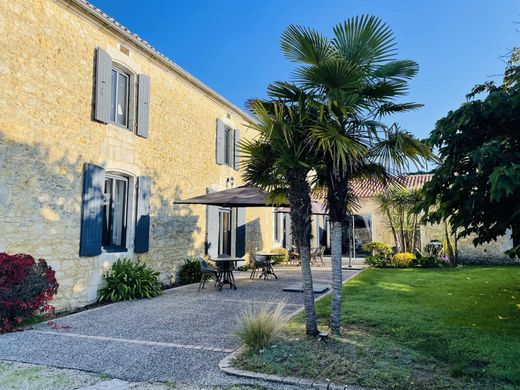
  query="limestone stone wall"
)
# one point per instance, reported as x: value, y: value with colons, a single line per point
x: 47, y: 134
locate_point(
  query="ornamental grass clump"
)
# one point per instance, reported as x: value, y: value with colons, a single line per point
x: 259, y: 326
x: 129, y: 280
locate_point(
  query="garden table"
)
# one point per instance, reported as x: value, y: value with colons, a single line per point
x: 225, y: 271
x: 268, y: 269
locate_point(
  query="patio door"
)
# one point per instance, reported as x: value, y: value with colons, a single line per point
x: 225, y: 226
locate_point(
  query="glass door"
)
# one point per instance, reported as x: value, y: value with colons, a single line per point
x: 224, y: 240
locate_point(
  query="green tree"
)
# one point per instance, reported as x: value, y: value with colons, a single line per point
x: 279, y: 161
x: 476, y: 187
x: 356, y: 79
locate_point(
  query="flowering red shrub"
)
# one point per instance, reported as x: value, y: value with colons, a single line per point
x: 26, y: 288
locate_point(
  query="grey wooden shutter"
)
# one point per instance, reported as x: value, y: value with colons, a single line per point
x: 92, y: 210
x: 103, y: 86
x: 220, y: 147
x: 143, y: 105
x: 236, y: 149
x: 241, y: 232
x: 142, y: 225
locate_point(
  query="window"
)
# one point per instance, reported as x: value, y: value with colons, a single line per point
x: 120, y: 97
x: 228, y: 146
x: 115, y: 211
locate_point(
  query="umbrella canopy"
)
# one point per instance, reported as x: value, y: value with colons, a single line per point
x: 244, y: 196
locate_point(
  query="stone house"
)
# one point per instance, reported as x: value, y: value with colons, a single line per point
x: 369, y: 224
x: 99, y: 135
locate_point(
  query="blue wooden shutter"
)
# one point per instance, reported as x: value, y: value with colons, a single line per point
x: 220, y: 145
x: 236, y: 149
x: 92, y: 210
x: 143, y: 105
x: 142, y: 226
x: 103, y: 86
x: 241, y: 232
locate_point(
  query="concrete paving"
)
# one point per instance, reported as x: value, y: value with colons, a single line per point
x: 180, y: 336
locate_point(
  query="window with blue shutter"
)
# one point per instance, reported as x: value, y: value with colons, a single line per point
x: 92, y: 210
x: 142, y: 227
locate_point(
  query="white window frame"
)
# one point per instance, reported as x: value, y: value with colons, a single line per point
x: 113, y: 118
x: 125, y: 217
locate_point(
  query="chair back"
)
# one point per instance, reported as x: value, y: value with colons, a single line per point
x: 259, y: 259
x: 203, y: 265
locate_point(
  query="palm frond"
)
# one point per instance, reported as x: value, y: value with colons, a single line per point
x: 305, y: 45
x: 365, y: 40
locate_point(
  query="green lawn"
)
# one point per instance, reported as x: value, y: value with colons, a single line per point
x: 412, y: 329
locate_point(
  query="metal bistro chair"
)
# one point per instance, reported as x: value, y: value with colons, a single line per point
x: 294, y: 257
x: 314, y: 256
x: 321, y: 252
x: 207, y: 272
x: 259, y: 263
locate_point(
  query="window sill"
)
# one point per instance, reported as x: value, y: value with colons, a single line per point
x: 114, y: 249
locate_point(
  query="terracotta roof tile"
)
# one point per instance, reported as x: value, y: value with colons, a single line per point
x: 368, y: 188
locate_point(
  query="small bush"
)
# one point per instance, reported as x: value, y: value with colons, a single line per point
x: 377, y: 249
x: 376, y: 261
x: 129, y: 280
x: 189, y: 272
x: 283, y: 258
x: 430, y: 262
x: 403, y: 260
x: 259, y: 326
x: 26, y: 288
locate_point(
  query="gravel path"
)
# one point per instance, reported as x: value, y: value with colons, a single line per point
x: 179, y: 337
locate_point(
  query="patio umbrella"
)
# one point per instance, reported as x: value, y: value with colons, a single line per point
x: 244, y: 196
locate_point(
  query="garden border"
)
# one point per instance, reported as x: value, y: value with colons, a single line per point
x: 225, y: 364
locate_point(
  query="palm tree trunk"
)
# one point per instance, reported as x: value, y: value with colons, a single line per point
x: 301, y: 213
x: 337, y: 276
x: 392, y: 227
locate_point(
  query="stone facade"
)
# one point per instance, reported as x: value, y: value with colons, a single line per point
x: 492, y: 252
x: 47, y: 133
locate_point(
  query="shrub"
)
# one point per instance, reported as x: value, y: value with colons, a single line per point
x: 189, y: 272
x: 430, y: 262
x: 128, y: 280
x: 26, y: 288
x: 376, y: 261
x: 283, y: 258
x: 259, y: 326
x: 403, y: 260
x: 377, y: 249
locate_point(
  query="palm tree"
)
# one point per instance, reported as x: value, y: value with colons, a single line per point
x: 356, y: 79
x: 400, y: 205
x: 279, y: 161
